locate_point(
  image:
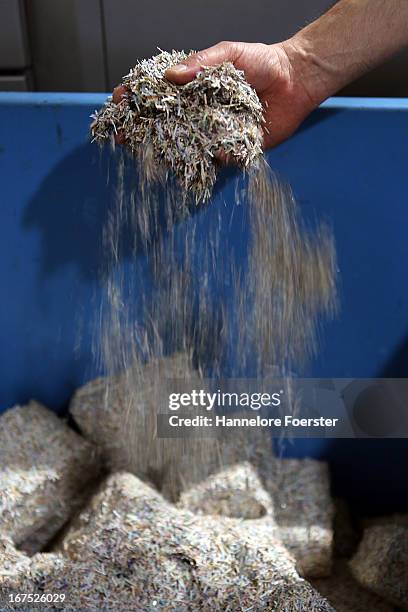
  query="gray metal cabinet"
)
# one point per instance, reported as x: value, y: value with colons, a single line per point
x: 87, y: 45
x: 13, y: 40
x: 66, y: 39
x: 134, y: 28
x: 14, y: 53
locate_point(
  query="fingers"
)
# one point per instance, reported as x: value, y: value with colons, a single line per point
x: 223, y: 159
x: 118, y: 94
x: 186, y: 71
x: 119, y: 138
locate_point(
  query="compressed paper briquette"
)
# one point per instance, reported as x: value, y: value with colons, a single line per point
x: 100, y: 422
x: 80, y: 585
x: 304, y: 511
x: 185, y: 126
x: 346, y: 595
x: 381, y: 563
x: 296, y: 518
x: 300, y: 488
x: 236, y: 492
x: 72, y: 585
x: 237, y: 496
x: 21, y: 574
x: 112, y: 411
x: 65, y: 584
x: 99, y: 586
x: 229, y: 447
x: 44, y: 469
x: 175, y: 560
x: 119, y: 414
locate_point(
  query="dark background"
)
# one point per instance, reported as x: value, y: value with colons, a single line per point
x: 87, y: 45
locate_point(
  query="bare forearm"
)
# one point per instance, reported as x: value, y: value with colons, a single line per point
x: 350, y: 39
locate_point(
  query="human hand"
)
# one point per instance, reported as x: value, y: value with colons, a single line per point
x: 272, y: 70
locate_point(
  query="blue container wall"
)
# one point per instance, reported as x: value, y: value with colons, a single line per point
x: 348, y: 165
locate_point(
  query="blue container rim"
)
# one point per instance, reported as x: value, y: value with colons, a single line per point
x: 97, y: 99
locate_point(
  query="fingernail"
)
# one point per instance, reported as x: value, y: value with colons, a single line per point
x: 178, y: 68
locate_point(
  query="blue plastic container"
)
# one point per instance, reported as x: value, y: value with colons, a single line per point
x: 347, y: 164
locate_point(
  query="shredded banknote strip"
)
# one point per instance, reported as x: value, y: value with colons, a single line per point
x: 185, y: 127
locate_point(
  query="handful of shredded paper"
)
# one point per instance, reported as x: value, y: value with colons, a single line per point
x: 183, y: 127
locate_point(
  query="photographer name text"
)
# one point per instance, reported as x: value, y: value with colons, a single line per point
x: 253, y: 421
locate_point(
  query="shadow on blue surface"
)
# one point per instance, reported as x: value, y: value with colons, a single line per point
x: 68, y: 210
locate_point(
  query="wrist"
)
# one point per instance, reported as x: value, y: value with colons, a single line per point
x: 314, y: 76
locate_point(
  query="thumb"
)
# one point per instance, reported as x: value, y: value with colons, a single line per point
x: 186, y: 71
